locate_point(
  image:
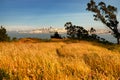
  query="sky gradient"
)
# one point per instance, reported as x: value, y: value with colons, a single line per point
x: 27, y: 14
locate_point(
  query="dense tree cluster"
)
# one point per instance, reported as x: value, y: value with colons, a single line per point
x: 56, y: 35
x: 3, y: 34
x: 75, y: 32
x: 78, y: 32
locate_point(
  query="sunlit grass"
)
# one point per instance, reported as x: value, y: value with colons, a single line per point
x: 58, y: 60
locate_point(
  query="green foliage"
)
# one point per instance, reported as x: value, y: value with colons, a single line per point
x: 14, y: 39
x: 75, y: 32
x: 56, y: 35
x: 105, y: 14
x: 78, y: 32
x: 4, y: 75
x: 3, y: 34
x: 92, y: 30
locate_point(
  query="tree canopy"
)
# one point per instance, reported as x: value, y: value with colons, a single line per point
x: 106, y: 14
x: 3, y: 34
x: 75, y: 32
x: 56, y: 35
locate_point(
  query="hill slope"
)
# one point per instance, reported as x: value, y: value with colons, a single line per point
x: 58, y: 61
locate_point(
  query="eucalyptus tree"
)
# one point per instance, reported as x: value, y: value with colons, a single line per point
x: 106, y: 14
x: 75, y: 32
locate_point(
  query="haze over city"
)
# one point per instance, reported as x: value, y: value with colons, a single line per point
x: 31, y: 14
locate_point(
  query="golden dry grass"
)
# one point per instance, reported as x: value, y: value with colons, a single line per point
x: 58, y: 61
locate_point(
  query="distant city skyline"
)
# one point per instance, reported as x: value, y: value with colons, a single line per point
x: 29, y: 14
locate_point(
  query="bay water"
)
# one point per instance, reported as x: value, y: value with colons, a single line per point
x: 12, y: 34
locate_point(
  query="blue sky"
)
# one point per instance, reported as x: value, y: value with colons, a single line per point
x: 27, y: 14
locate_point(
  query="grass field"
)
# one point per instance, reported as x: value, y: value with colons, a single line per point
x: 59, y: 60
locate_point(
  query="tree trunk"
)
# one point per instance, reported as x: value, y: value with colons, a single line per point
x: 118, y: 42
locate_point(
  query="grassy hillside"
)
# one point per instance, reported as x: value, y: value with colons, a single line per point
x: 59, y: 60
